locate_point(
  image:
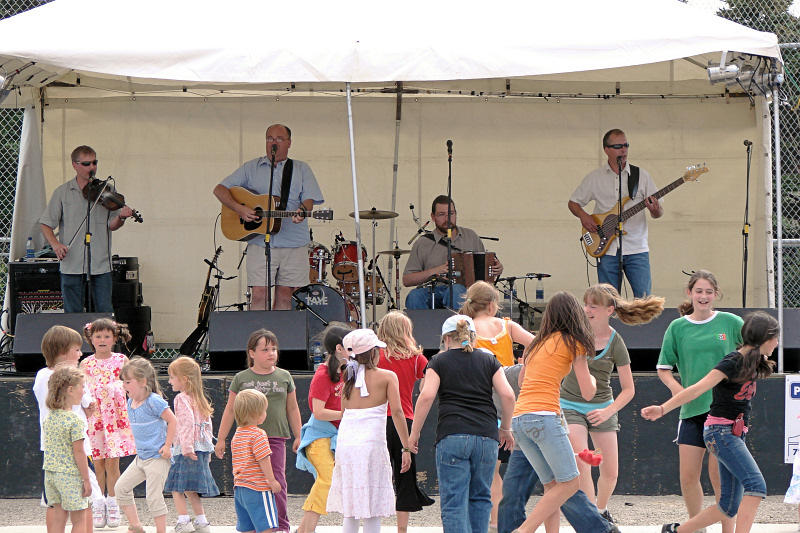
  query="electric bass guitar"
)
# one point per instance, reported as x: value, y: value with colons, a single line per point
x: 236, y: 229
x: 597, y: 243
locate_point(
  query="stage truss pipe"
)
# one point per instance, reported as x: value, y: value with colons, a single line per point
x: 776, y: 134
x: 361, y: 300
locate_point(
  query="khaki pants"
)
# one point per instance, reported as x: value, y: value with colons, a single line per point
x: 154, y: 473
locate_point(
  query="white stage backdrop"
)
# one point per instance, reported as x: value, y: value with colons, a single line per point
x: 515, y: 163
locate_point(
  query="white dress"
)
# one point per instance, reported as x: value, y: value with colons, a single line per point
x: 362, y: 474
x: 793, y: 494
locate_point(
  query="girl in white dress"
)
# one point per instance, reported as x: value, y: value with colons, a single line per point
x: 361, y: 488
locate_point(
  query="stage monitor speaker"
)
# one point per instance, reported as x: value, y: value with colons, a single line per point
x: 31, y: 328
x: 228, y: 332
x: 428, y: 327
x: 138, y: 321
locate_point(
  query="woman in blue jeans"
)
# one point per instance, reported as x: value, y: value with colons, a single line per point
x: 742, y: 486
x: 466, y: 434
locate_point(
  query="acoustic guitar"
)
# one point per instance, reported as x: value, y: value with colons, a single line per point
x: 209, y: 294
x: 597, y: 243
x: 236, y: 229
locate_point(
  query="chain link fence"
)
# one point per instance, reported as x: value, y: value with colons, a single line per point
x: 778, y: 16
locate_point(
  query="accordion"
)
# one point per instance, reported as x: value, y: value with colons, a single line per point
x: 469, y: 267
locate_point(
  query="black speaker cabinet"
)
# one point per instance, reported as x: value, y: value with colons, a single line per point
x: 428, y: 327
x: 138, y: 321
x: 228, y: 332
x: 32, y: 327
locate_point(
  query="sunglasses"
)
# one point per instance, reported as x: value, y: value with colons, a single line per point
x: 617, y: 146
x: 87, y: 163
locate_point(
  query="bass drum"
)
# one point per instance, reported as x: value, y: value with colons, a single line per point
x: 330, y: 304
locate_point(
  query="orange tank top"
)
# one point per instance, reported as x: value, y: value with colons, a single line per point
x: 500, y: 345
x: 544, y: 371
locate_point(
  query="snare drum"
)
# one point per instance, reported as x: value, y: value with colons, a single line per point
x: 351, y: 289
x: 345, y: 261
x: 318, y: 257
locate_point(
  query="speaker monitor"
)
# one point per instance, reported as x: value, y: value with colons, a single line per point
x: 228, y: 332
x: 138, y: 321
x: 428, y: 327
x: 30, y: 329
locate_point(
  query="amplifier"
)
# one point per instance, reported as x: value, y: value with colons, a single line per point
x: 34, y: 286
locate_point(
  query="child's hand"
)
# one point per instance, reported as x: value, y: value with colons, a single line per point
x: 405, y: 463
x: 274, y: 486
x: 87, y: 489
x: 652, y: 412
x: 598, y: 416
x: 90, y: 410
x: 219, y: 448
x: 191, y: 455
x: 296, y: 444
x: 165, y: 452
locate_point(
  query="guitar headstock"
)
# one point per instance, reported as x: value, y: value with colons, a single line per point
x: 322, y: 214
x: 694, y: 171
x: 216, y: 255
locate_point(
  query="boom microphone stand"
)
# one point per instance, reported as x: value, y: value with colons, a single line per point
x: 619, y: 220
x: 449, y: 228
x: 267, y: 248
x: 746, y: 225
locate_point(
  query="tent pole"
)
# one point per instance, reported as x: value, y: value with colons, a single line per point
x: 361, y: 301
x: 776, y: 133
x: 392, y: 227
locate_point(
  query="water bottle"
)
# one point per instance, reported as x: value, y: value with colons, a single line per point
x: 316, y: 355
x: 29, y: 251
x: 539, y: 290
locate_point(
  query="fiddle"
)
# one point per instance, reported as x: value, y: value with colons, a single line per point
x: 98, y: 191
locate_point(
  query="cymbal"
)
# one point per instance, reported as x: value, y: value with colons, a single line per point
x: 374, y: 214
x: 394, y: 251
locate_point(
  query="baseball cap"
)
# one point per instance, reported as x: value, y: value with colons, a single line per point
x: 451, y: 324
x: 361, y: 340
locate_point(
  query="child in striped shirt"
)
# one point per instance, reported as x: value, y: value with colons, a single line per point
x: 254, y: 483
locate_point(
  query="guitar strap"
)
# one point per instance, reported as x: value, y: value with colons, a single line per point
x: 429, y: 235
x: 286, y: 184
x: 633, y: 181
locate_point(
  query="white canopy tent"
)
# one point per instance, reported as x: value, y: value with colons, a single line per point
x: 86, y: 61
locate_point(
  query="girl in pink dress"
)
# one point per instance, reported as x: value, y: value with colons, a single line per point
x: 109, y: 428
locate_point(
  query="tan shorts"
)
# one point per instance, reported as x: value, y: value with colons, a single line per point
x: 579, y: 419
x: 289, y: 266
x: 65, y: 490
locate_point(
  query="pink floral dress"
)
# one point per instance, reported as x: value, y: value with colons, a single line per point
x: 109, y: 428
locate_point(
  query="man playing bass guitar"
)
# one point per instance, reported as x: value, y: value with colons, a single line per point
x: 602, y: 186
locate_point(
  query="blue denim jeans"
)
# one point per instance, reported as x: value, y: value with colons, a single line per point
x: 636, y: 267
x: 72, y: 291
x: 420, y: 298
x: 543, y: 439
x: 739, y: 474
x: 465, y: 467
x: 518, y: 485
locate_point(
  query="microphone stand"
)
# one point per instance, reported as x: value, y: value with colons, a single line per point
x: 267, y: 247
x: 87, y: 242
x: 449, y: 228
x: 746, y: 225
x: 619, y: 221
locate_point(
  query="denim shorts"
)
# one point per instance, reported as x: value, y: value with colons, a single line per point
x: 544, y: 441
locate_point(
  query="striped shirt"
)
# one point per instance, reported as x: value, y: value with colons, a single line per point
x: 248, y: 446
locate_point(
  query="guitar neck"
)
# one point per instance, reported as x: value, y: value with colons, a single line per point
x: 275, y: 214
x: 628, y: 213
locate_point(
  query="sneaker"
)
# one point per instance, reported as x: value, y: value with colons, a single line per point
x: 113, y: 517
x: 184, y: 527
x: 614, y: 529
x: 670, y: 528
x: 201, y: 528
x: 607, y: 515
x: 99, y: 513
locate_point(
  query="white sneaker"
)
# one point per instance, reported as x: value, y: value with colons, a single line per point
x: 201, y: 528
x: 184, y: 527
x: 112, y: 513
x: 99, y: 513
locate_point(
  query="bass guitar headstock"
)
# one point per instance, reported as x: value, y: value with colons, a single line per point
x: 694, y: 171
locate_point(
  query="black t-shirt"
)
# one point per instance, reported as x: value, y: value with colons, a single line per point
x: 732, y: 397
x: 465, y: 393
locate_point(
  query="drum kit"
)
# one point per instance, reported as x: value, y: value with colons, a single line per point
x: 342, y: 302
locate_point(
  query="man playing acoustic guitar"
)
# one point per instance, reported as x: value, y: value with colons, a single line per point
x: 601, y: 185
x: 289, y: 251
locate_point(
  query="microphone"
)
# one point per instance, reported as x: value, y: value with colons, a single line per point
x: 619, y: 161
x: 273, y: 149
x: 449, y: 147
x: 419, y: 232
x: 748, y: 143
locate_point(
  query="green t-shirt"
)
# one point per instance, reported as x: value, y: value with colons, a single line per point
x: 600, y: 366
x: 275, y: 386
x: 695, y: 348
x: 61, y: 429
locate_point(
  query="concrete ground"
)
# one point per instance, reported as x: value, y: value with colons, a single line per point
x: 634, y: 514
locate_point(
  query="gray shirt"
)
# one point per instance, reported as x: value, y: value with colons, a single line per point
x: 66, y: 212
x: 428, y: 253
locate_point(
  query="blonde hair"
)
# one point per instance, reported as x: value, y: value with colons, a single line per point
x: 119, y: 331
x: 140, y: 369
x: 396, y: 330
x: 57, y: 341
x: 248, y: 405
x: 186, y: 367
x: 686, y: 308
x: 631, y: 312
x: 480, y: 296
x: 462, y: 336
x: 60, y: 381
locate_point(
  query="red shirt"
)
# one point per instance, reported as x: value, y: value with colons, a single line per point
x: 322, y: 388
x: 408, y: 372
